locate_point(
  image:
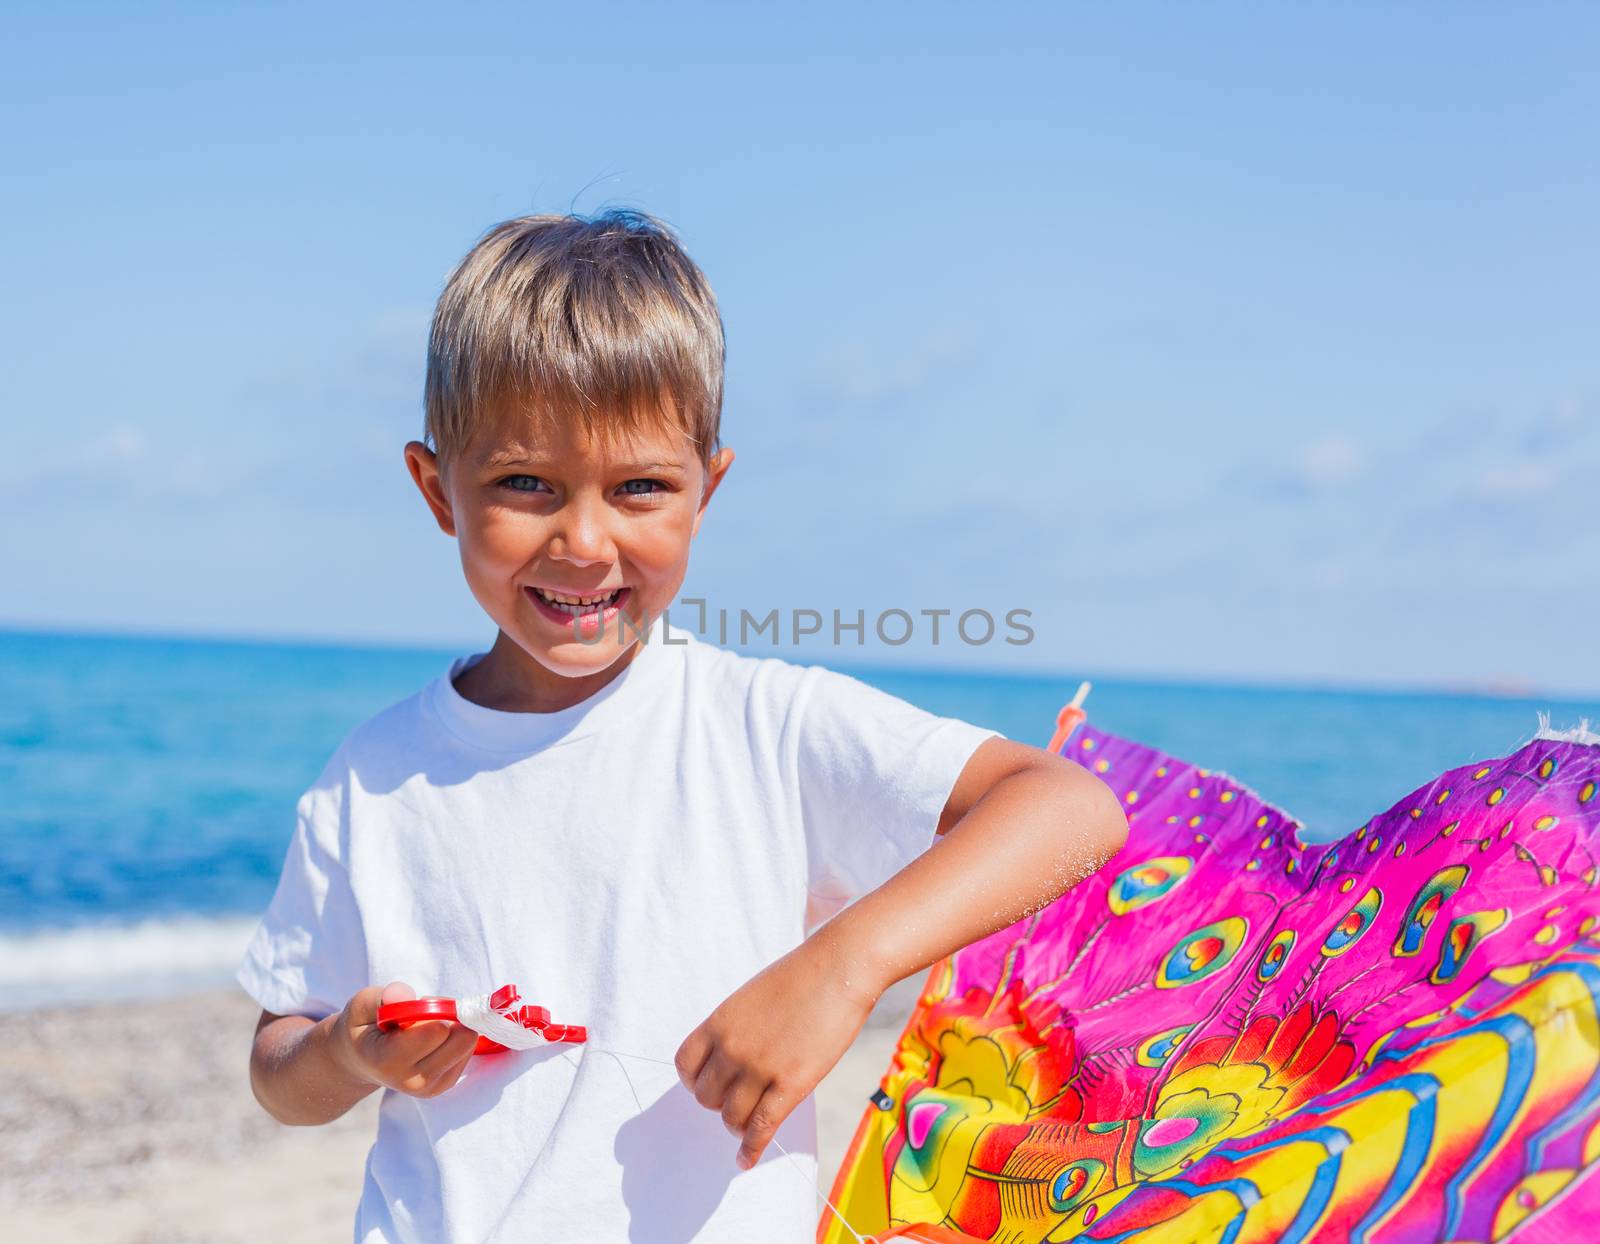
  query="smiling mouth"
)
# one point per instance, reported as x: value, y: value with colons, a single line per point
x: 563, y: 604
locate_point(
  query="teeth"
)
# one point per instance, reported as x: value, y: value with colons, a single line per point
x: 575, y: 604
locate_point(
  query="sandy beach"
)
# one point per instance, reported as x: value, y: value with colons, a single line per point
x: 155, y: 1138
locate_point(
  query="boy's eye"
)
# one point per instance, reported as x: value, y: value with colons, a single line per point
x: 642, y: 487
x: 524, y: 483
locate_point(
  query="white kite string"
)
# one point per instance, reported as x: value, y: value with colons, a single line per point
x: 477, y: 1014
x: 793, y: 1161
x: 483, y: 1019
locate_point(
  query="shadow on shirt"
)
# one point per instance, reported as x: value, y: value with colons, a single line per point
x: 669, y: 1184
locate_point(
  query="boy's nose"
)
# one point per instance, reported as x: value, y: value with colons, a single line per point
x: 583, y: 538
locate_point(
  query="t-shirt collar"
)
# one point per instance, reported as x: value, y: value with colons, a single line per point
x: 496, y: 730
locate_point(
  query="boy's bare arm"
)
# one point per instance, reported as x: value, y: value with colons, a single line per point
x: 1020, y: 827
x: 307, y: 1071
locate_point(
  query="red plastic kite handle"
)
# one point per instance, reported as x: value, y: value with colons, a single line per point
x: 393, y: 1015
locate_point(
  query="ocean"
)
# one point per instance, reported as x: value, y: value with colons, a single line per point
x: 147, y: 785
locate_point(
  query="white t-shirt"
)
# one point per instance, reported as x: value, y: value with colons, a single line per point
x: 627, y: 862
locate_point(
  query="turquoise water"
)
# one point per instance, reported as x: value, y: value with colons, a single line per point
x: 148, y: 785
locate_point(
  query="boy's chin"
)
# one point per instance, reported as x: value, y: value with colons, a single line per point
x: 571, y: 657
x: 577, y: 660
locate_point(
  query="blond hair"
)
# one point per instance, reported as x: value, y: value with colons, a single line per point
x: 602, y: 319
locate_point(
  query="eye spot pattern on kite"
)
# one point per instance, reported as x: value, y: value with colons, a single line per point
x: 1203, y: 953
x: 1462, y: 938
x: 1144, y: 883
x: 1074, y: 1183
x: 1155, y: 1051
x: 1425, y: 908
x: 1356, y: 921
x: 1277, y: 951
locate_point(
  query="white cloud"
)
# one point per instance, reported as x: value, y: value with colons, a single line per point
x: 1331, y: 461
x: 1520, y: 477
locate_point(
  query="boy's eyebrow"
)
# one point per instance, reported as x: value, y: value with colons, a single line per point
x: 523, y: 457
x: 652, y: 468
x: 510, y: 457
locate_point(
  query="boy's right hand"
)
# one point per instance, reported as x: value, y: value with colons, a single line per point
x: 422, y: 1060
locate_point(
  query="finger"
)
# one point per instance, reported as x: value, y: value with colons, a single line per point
x: 712, y: 1084
x: 406, y: 1047
x: 447, y: 1079
x: 362, y: 1009
x: 691, y: 1057
x: 740, y: 1101
x: 456, y: 1047
x: 421, y: 1076
x: 765, y: 1119
x: 398, y: 991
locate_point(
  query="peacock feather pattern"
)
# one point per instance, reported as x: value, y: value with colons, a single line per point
x: 1229, y: 1035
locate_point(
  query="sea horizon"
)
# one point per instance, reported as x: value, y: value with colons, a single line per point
x: 1491, y: 688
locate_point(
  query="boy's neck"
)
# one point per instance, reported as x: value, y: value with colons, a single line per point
x: 510, y: 681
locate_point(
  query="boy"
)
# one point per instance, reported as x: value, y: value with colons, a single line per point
x: 638, y: 832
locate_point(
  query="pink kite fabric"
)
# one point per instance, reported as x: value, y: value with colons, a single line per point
x: 1228, y: 1035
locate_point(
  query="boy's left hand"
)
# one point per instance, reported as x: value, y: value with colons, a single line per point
x: 767, y: 1046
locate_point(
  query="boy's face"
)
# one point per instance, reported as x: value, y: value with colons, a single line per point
x: 563, y: 536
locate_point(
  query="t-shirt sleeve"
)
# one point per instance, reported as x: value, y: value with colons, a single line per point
x: 874, y: 775
x: 308, y: 954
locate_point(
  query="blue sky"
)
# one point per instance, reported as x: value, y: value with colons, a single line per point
x: 1230, y: 340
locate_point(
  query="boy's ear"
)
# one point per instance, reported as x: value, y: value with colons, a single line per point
x: 715, y: 470
x: 423, y: 464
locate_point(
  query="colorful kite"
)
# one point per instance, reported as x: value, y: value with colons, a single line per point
x: 1227, y: 1035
